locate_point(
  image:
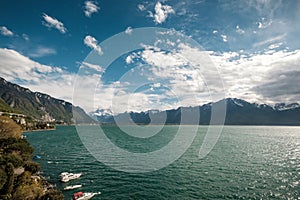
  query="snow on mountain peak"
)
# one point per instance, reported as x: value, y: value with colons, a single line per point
x: 283, y: 106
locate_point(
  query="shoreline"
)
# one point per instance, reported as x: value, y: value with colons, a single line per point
x: 36, y: 130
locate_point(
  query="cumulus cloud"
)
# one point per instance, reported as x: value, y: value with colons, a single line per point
x: 38, y: 77
x: 268, y: 77
x: 51, y: 22
x: 128, y: 30
x: 90, y: 7
x: 224, y: 38
x: 179, y: 72
x: 52, y: 80
x: 281, y: 83
x: 129, y: 59
x: 92, y: 43
x: 161, y: 12
x: 180, y: 78
x: 5, y: 31
x: 162, y: 59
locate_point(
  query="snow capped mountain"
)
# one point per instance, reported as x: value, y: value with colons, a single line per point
x: 283, y: 106
x: 238, y: 102
x: 152, y: 111
x: 101, y: 113
x: 238, y: 112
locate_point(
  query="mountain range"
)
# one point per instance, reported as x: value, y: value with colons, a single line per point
x: 238, y: 112
x: 39, y: 106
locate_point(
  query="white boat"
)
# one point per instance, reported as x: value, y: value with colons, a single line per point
x: 66, y: 176
x: 84, y: 195
x: 72, y: 187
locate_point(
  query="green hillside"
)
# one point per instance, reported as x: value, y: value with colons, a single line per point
x: 38, y: 105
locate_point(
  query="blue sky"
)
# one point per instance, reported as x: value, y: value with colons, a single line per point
x: 253, y: 44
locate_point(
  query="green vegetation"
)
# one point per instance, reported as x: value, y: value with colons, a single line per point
x: 19, y: 177
x: 38, y: 106
x: 8, y: 128
x: 5, y: 108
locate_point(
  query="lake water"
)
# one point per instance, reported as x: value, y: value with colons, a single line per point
x: 248, y: 162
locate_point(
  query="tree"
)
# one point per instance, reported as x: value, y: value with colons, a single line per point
x: 28, y: 192
x: 32, y: 167
x: 9, y: 184
x: 14, y: 160
x: 3, y: 178
x: 53, y: 195
x: 8, y: 128
x: 24, y: 179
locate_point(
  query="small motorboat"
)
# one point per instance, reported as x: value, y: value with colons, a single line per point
x: 72, y: 187
x: 66, y: 176
x: 84, y: 195
x: 37, y: 157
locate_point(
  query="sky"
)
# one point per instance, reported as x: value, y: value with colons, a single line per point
x: 209, y: 49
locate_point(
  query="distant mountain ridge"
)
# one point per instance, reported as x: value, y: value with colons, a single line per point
x: 238, y: 112
x: 38, y: 105
x: 17, y: 99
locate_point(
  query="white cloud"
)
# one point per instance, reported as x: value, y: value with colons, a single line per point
x: 128, y: 30
x: 249, y: 76
x: 252, y: 77
x: 179, y: 72
x: 239, y: 30
x: 55, y: 81
x: 162, y: 59
x: 269, y: 40
x: 156, y: 85
x: 42, y: 51
x: 185, y: 75
x: 129, y: 59
x: 224, y: 38
x: 25, y: 36
x: 5, y: 31
x: 93, y: 43
x: 161, y: 12
x: 90, y: 7
x: 51, y: 22
x: 275, y: 46
x: 215, y: 32
x: 93, y: 66
x: 281, y: 84
x: 38, y: 77
x: 141, y: 7
x: 264, y: 23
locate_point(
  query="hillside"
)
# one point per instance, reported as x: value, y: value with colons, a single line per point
x: 19, y: 175
x: 5, y: 108
x: 14, y: 98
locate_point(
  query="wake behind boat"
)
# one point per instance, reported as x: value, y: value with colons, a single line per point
x: 72, y: 187
x: 66, y: 176
x: 84, y: 195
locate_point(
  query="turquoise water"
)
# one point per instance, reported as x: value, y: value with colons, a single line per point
x: 246, y: 163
